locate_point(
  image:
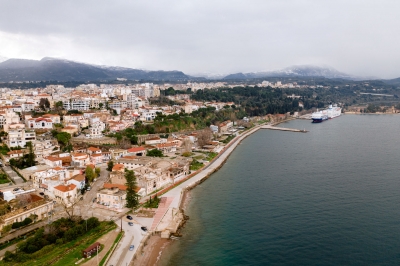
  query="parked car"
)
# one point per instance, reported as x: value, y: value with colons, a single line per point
x: 144, y: 228
x: 129, y: 217
x: 130, y: 223
x: 41, y: 193
x: 131, y: 247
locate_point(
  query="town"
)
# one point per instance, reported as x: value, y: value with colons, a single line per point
x: 121, y: 155
x: 66, y: 153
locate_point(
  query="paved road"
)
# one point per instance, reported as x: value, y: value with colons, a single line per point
x: 10, y: 248
x: 84, y: 206
x: 133, y: 235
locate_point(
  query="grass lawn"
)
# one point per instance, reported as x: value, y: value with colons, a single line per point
x: 211, y: 155
x: 69, y: 253
x: 153, y: 204
x: 195, y: 165
x: 199, y: 157
x: 3, y: 178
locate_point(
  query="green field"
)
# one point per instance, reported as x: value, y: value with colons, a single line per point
x: 66, y: 253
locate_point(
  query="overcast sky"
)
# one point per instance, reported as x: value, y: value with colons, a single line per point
x: 359, y: 37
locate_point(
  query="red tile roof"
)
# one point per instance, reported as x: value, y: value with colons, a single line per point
x: 136, y: 149
x: 64, y: 188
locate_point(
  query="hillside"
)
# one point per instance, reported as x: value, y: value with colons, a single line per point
x: 64, y: 70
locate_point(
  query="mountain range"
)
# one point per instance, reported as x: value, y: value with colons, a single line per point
x: 295, y: 71
x: 54, y: 69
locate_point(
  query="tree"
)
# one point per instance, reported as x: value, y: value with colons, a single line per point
x: 132, y: 198
x: 31, y: 156
x: 155, y: 153
x: 110, y: 165
x: 44, y: 103
x: 203, y: 137
x: 187, y: 145
x: 97, y: 171
x: 63, y: 137
x: 89, y: 173
x: 101, y: 105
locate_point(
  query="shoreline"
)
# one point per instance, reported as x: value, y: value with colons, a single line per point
x: 154, y: 251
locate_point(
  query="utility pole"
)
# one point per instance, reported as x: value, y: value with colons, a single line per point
x: 121, y: 224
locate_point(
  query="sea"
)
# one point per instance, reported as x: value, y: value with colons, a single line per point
x: 327, y: 197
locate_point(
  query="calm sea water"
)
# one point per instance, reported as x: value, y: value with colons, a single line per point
x: 328, y: 197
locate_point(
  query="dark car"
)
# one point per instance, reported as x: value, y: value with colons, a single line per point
x: 130, y: 223
x: 41, y: 193
x: 131, y: 247
x: 129, y: 217
x: 144, y: 228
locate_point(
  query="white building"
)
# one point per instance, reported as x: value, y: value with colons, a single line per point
x: 18, y: 136
x: 39, y: 123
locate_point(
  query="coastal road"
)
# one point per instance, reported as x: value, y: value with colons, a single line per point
x: 133, y: 235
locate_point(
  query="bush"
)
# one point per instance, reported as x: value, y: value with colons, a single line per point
x: 27, y: 221
x: 92, y: 222
x: 16, y: 225
x: 6, y: 229
x: 155, y: 153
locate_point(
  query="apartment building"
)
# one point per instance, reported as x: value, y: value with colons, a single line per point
x: 18, y: 136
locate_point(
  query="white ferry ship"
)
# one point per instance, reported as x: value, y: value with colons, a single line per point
x: 331, y: 112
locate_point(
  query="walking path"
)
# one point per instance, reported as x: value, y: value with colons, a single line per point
x: 161, y: 210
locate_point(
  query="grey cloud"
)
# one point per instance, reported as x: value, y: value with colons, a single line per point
x: 358, y: 37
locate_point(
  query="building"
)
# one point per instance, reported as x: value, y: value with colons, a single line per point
x: 78, y: 180
x: 18, y: 136
x: 114, y: 197
x: 66, y: 194
x: 39, y: 123
x: 7, y: 118
x: 31, y: 206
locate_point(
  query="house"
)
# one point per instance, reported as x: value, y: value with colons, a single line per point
x: 154, y: 141
x: 117, y: 175
x: 53, y: 117
x: 53, y: 161
x: 117, y: 153
x: 39, y: 123
x: 66, y: 194
x: 112, y: 197
x: 44, y: 148
x: 96, y: 129
x: 96, y: 158
x: 80, y: 159
x: 225, y: 126
x: 167, y: 147
x: 93, y: 150
x: 78, y: 180
x: 15, y: 154
x: 138, y: 151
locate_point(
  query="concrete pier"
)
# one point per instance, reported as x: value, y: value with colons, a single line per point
x: 283, y: 129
